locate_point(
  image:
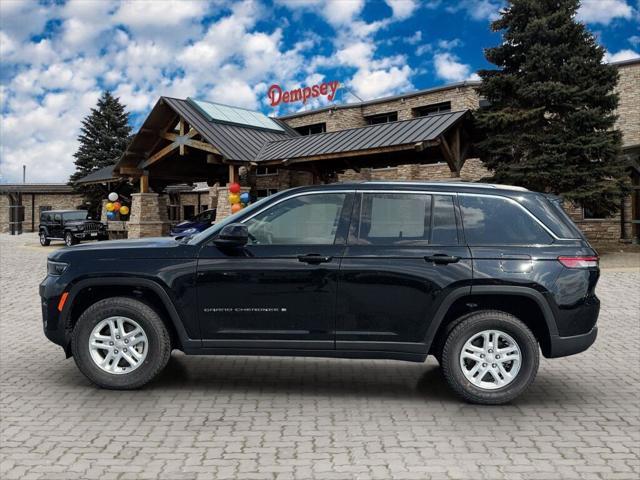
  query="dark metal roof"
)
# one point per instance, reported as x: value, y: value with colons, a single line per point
x: 406, y: 132
x: 234, y: 142
x: 35, y: 188
x: 102, y: 175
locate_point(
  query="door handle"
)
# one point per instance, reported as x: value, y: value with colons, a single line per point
x: 314, y: 258
x: 441, y: 258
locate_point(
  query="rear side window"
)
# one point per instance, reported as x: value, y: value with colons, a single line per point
x: 498, y: 221
x: 394, y: 219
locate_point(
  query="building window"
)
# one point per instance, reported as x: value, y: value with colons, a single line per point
x: 593, y: 214
x: 204, y: 207
x: 432, y: 109
x: 189, y: 211
x: 265, y: 192
x: 312, y: 129
x: 45, y: 208
x: 382, y: 118
x: 266, y: 171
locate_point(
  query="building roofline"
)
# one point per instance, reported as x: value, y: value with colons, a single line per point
x: 624, y: 63
x: 449, y: 86
x: 35, y: 188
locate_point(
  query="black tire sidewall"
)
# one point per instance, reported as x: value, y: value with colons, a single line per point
x: 69, y: 241
x: 157, y: 337
x: 491, y: 321
x: 43, y: 239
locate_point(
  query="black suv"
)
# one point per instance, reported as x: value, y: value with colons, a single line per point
x: 480, y: 276
x: 71, y: 226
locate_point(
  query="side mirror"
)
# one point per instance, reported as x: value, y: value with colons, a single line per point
x: 233, y: 235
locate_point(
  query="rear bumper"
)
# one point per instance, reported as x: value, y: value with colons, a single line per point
x: 565, y: 346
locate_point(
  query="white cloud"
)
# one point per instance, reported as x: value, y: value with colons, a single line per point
x: 449, y: 44
x: 448, y: 67
x: 369, y: 84
x: 481, y: 10
x: 402, y: 9
x: 634, y: 40
x: 621, y: 56
x: 604, y: 11
x: 415, y: 38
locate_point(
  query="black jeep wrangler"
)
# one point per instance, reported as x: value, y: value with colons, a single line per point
x: 71, y: 226
x: 483, y: 277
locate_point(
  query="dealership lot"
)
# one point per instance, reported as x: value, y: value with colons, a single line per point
x: 277, y: 418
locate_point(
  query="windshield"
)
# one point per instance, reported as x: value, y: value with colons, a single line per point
x: 79, y: 215
x: 214, y: 229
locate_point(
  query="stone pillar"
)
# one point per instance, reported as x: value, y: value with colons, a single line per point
x: 223, y: 206
x: 148, y: 216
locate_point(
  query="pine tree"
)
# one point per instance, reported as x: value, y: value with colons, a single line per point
x: 550, y: 123
x: 103, y: 138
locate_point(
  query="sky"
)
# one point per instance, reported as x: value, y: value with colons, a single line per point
x: 57, y: 56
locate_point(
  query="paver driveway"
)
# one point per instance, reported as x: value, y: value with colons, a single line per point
x: 240, y: 417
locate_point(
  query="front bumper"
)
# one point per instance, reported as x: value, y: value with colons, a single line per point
x: 90, y: 235
x: 51, y: 290
x: 565, y: 346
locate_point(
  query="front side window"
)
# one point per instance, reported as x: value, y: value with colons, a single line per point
x: 394, y: 219
x: 303, y: 220
x: 498, y: 221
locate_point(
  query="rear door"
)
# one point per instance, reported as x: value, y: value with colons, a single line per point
x: 404, y: 255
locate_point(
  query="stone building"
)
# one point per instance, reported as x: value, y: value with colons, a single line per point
x: 187, y: 151
x: 25, y: 201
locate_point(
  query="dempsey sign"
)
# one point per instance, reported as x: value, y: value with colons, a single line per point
x: 277, y: 96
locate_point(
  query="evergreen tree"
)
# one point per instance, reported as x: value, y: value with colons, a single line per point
x: 549, y: 126
x: 103, y: 138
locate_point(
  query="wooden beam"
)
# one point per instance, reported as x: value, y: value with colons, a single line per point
x: 133, y: 171
x: 455, y: 146
x: 144, y: 183
x: 160, y: 154
x: 202, y: 146
x: 448, y: 156
x: 233, y: 174
x: 182, y: 130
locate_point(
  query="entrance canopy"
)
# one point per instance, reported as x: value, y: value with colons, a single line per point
x: 193, y: 140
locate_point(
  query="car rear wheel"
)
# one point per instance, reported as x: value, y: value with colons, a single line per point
x: 490, y: 358
x: 44, y: 241
x: 120, y: 343
x: 69, y: 239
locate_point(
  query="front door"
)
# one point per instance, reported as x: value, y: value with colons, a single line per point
x: 280, y: 290
x: 404, y: 255
x: 56, y: 230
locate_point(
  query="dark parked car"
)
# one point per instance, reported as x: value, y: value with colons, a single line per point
x: 70, y: 226
x: 483, y: 277
x: 195, y: 224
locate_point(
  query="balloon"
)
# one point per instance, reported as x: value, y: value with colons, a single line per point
x: 234, y: 188
x: 234, y: 198
x: 243, y: 204
x: 111, y: 215
x: 109, y: 207
x: 236, y: 207
x: 113, y: 196
x: 124, y: 210
x: 116, y: 206
x: 245, y: 198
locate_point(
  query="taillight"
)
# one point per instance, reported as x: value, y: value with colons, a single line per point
x: 579, y: 262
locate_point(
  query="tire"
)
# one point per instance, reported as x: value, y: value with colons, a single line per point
x: 69, y: 239
x: 494, y: 388
x: 44, y: 241
x: 156, y: 351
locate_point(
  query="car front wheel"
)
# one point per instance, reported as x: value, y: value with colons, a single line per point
x: 490, y: 358
x: 69, y: 239
x: 44, y: 241
x: 120, y: 343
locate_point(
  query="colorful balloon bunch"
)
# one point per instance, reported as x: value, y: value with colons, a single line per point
x: 114, y: 206
x: 238, y: 200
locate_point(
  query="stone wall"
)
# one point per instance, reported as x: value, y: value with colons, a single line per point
x: 57, y: 201
x: 629, y: 107
x: 461, y: 98
x: 600, y: 232
x: 148, y: 216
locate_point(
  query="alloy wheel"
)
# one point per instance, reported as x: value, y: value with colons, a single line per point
x: 490, y: 359
x: 118, y: 345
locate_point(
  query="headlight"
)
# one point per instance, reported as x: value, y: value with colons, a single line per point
x: 80, y: 227
x: 56, y: 268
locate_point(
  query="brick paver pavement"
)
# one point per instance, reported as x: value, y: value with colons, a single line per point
x: 277, y: 418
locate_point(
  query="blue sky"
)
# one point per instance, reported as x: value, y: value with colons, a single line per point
x: 56, y: 57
